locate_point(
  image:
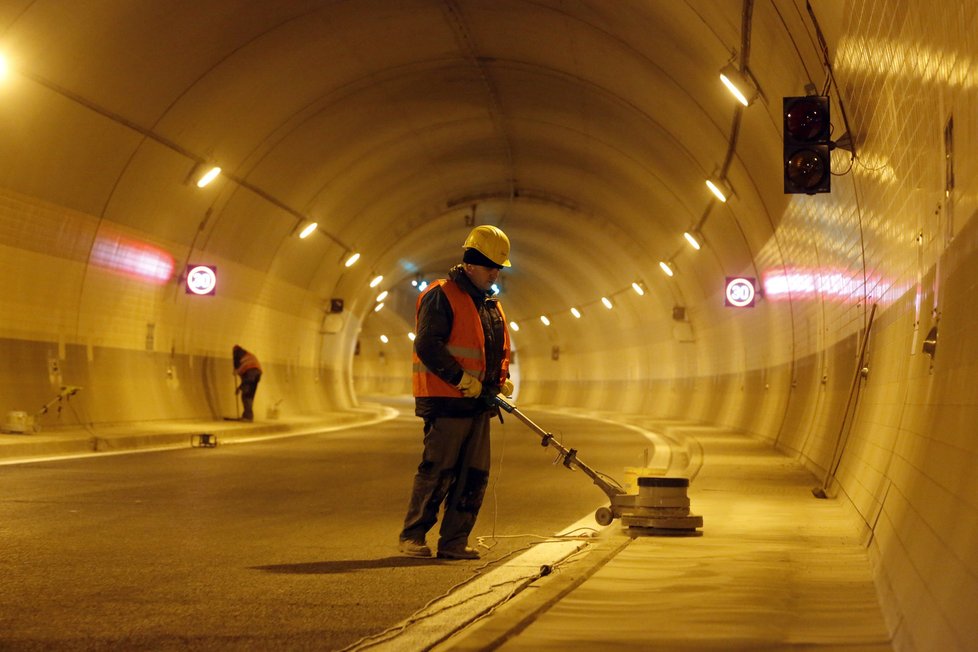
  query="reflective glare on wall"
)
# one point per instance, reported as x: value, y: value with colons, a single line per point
x: 133, y: 258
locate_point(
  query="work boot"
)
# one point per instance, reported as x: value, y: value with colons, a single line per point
x: 414, y: 548
x: 464, y: 552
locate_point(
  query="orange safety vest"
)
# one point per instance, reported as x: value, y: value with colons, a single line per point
x: 466, y: 343
x: 248, y: 361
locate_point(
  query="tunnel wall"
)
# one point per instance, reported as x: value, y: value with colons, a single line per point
x: 898, y: 446
x: 102, y: 306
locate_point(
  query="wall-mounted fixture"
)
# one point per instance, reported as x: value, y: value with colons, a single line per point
x: 930, y: 343
x: 639, y: 288
x: 666, y: 268
x: 739, y: 84
x: 207, y: 174
x: 720, y: 188
x: 352, y: 259
x: 694, y: 239
x: 307, y: 230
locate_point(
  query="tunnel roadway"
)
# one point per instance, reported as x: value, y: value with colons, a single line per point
x: 281, y: 544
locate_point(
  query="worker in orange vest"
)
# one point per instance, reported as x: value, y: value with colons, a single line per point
x: 246, y: 366
x: 461, y: 358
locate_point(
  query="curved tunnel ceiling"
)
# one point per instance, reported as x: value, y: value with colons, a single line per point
x: 585, y: 130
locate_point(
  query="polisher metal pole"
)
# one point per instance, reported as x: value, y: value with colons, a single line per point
x: 568, y: 455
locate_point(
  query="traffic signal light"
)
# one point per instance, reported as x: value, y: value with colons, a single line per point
x: 807, y: 147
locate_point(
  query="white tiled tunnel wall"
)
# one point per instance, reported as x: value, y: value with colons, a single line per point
x: 905, y: 70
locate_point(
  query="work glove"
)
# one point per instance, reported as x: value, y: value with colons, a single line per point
x: 470, y: 386
x: 508, y: 388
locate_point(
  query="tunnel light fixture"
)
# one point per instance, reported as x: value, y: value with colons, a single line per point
x: 545, y: 320
x: 377, y: 279
x: 495, y: 289
x: 720, y: 188
x: 352, y: 260
x: 513, y: 325
x: 422, y: 285
x: 382, y: 296
x: 693, y: 240
x: 208, y: 176
x: 576, y: 313
x: 739, y: 84
x: 379, y: 307
x: 308, y: 230
x: 667, y: 268
x: 384, y: 339
x: 639, y: 290
x: 607, y: 303
x: 411, y: 335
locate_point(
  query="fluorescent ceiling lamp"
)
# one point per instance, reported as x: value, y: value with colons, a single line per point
x: 382, y: 296
x: 666, y: 267
x: 379, y: 307
x: 545, y: 320
x: 576, y: 313
x: 691, y: 239
x: 383, y: 338
x: 718, y: 188
x: 208, y: 176
x: 514, y: 326
x: 639, y: 290
x: 738, y: 84
x: 377, y: 279
x: 306, y: 232
x: 352, y: 260
x: 607, y: 303
x: 411, y: 336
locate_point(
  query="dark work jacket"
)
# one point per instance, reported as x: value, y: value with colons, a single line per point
x: 434, y: 326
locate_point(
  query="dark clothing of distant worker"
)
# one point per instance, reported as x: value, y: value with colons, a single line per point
x: 460, y: 330
x: 246, y: 366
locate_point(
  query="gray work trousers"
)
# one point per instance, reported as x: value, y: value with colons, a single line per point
x: 454, y: 470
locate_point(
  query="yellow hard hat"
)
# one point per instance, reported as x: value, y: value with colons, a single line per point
x: 491, y: 242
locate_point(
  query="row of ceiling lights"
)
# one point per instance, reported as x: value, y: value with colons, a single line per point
x: 744, y: 89
x: 576, y: 311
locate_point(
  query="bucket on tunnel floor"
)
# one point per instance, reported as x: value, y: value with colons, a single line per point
x: 19, y: 423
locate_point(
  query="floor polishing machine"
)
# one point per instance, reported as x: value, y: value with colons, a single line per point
x: 661, y: 506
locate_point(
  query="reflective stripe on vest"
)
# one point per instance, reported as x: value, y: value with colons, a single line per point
x: 248, y: 361
x: 466, y: 343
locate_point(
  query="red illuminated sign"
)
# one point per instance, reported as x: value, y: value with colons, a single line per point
x: 201, y: 279
x: 130, y: 257
x: 739, y: 292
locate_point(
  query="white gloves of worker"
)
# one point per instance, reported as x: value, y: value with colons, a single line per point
x: 507, y: 388
x: 470, y: 386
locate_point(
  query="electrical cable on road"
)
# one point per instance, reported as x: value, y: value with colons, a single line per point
x: 520, y: 582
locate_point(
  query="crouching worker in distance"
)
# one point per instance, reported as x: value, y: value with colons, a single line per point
x: 461, y: 359
x: 246, y: 366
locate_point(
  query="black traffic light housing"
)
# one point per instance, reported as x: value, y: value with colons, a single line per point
x: 807, y: 145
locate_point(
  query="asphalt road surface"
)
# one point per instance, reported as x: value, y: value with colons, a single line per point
x: 289, y: 544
